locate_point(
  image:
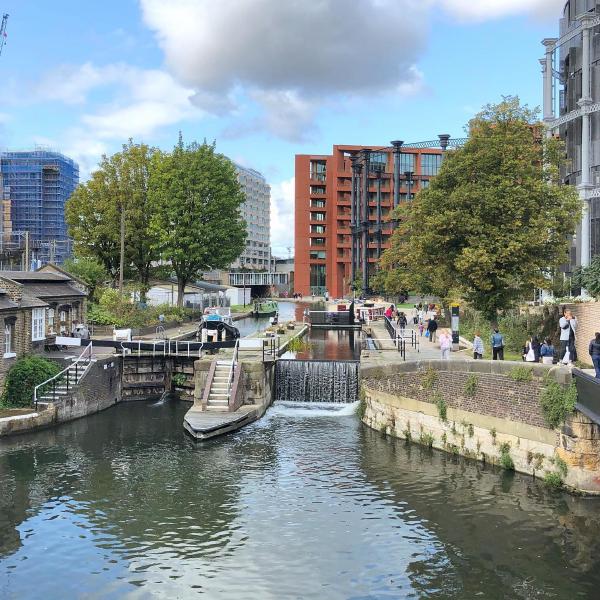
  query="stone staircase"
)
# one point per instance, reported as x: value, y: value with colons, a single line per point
x: 220, y: 386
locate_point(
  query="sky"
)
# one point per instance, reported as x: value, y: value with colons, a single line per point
x: 265, y: 79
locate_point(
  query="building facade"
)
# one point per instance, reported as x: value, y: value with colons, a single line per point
x: 35, y: 187
x: 256, y: 211
x: 571, y: 76
x: 337, y: 233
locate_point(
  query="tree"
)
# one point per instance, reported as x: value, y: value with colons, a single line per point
x: 588, y: 277
x: 494, y: 222
x: 89, y: 270
x: 109, y: 216
x: 195, y: 199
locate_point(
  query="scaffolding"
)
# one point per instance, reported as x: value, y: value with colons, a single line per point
x: 35, y: 186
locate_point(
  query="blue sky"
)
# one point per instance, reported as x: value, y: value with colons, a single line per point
x: 267, y: 79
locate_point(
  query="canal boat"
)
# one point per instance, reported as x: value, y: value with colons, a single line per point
x: 217, y: 325
x: 265, y: 308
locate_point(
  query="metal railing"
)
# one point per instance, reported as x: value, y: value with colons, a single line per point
x: 164, y: 348
x: 270, y: 349
x: 77, y: 369
x: 232, y: 367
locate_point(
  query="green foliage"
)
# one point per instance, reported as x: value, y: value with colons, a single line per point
x: 429, y: 379
x: 179, y: 379
x: 553, y: 480
x: 589, y: 277
x: 22, y: 378
x: 195, y: 201
x: 471, y: 384
x: 407, y: 433
x: 426, y: 439
x: 298, y: 344
x: 119, y: 188
x: 561, y: 465
x: 558, y: 402
x: 444, y: 439
x: 118, y: 310
x: 92, y: 272
x: 493, y: 222
x: 521, y: 374
x: 471, y: 430
x: 493, y: 434
x: 442, y: 407
x: 506, y: 461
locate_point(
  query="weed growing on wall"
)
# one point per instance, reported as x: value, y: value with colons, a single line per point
x: 471, y: 385
x: 442, y: 407
x: 179, y: 379
x: 493, y: 434
x: 407, y: 433
x: 506, y: 461
x: 558, y: 402
x: 426, y: 439
x: 430, y: 378
x: 553, y: 480
x: 471, y: 430
x: 361, y: 409
x: 521, y: 374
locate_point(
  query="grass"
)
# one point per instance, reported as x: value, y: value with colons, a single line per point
x: 240, y: 308
x: 14, y: 412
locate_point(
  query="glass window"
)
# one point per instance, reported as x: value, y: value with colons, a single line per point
x: 317, y: 254
x: 38, y: 324
x: 317, y: 228
x: 317, y: 241
x: 317, y: 216
x: 378, y: 161
x: 317, y: 278
x: 317, y: 189
x: 407, y: 162
x: 318, y: 170
x: 9, y: 340
x: 425, y: 183
x: 317, y: 203
x: 430, y: 164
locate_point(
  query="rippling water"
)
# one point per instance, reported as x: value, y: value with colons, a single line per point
x: 303, y: 504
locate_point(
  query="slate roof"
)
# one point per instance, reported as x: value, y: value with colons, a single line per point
x: 23, y: 276
x: 50, y: 290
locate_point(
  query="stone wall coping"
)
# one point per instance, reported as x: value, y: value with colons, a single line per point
x: 559, y: 373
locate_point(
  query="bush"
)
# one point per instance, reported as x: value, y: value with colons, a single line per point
x: 442, y: 407
x: 22, y: 378
x: 471, y: 385
x: 430, y: 378
x: 558, y: 402
x: 521, y: 374
x: 506, y: 461
x: 553, y: 480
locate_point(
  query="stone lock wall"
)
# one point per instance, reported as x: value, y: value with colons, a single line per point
x: 487, y: 414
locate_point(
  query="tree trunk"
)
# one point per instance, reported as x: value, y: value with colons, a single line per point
x: 181, y: 283
x: 122, y: 250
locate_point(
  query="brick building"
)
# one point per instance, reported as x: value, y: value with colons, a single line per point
x: 331, y: 220
x: 35, y: 306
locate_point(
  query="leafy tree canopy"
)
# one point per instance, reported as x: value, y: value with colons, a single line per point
x: 494, y: 222
x: 195, y: 205
x: 89, y: 270
x: 588, y: 277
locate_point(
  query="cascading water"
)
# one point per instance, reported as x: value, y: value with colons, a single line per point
x: 316, y: 381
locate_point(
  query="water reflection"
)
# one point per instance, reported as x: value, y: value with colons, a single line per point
x: 298, y: 505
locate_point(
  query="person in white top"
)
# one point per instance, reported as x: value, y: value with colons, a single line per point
x: 568, y: 329
x: 445, y: 344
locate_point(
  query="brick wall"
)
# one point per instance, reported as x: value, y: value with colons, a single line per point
x: 495, y: 395
x: 588, y: 323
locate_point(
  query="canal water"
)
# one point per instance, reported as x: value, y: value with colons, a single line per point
x: 304, y: 504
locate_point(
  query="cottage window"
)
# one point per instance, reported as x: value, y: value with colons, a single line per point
x: 9, y: 340
x: 38, y: 325
x: 50, y: 315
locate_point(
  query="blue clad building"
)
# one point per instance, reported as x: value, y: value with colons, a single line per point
x: 36, y: 184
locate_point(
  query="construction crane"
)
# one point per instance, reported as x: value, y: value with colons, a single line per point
x: 3, y: 31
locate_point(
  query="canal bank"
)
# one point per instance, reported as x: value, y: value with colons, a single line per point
x: 485, y: 410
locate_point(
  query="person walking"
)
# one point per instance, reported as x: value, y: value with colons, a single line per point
x: 568, y: 329
x: 477, y: 346
x: 497, y: 343
x: 445, y: 344
x: 547, y: 352
x: 415, y: 315
x: 432, y: 327
x: 594, y: 350
x: 421, y: 328
x: 402, y: 322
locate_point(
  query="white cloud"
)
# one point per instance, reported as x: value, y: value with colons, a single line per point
x: 282, y: 216
x: 290, y: 58
x: 141, y: 102
x: 479, y: 10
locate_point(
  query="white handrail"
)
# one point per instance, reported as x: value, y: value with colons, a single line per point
x: 74, y: 365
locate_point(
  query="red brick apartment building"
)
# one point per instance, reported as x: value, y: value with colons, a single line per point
x: 324, y: 212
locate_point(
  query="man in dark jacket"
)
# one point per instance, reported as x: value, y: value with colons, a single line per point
x: 595, y: 353
x: 432, y: 327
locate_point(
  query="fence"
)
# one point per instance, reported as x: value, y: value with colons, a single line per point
x: 588, y: 394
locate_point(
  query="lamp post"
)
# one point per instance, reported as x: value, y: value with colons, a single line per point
x: 397, y: 145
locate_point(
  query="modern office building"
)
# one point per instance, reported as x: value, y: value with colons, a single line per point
x: 571, y: 75
x: 35, y: 187
x: 337, y: 233
x: 257, y: 213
